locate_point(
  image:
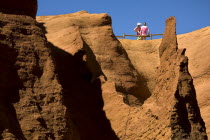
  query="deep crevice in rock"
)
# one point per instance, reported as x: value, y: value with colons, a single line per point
x: 139, y: 94
x: 82, y: 98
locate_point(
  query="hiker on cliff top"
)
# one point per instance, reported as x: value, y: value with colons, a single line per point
x: 144, y: 31
x: 138, y: 30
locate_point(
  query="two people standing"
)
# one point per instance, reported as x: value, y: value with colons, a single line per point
x: 142, y: 30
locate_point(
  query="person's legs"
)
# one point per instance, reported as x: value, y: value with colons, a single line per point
x: 144, y: 37
x: 139, y: 38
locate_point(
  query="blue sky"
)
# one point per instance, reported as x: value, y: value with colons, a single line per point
x: 190, y: 14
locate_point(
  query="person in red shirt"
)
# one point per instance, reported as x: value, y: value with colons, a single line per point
x: 138, y: 30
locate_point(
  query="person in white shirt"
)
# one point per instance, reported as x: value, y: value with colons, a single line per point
x: 144, y: 31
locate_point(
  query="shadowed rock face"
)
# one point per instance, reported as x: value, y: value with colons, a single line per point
x: 19, y: 7
x: 30, y: 80
x: 52, y: 89
x: 62, y: 87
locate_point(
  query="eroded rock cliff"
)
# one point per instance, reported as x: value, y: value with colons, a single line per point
x: 172, y: 111
x: 185, y: 117
x: 79, y: 84
x: 28, y: 79
x: 197, y: 45
x: 53, y: 93
x: 105, y: 57
x: 144, y: 55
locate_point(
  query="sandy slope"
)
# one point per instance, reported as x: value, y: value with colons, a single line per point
x: 145, y: 57
x: 197, y: 43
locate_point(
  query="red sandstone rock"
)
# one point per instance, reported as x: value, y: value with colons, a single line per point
x: 62, y: 87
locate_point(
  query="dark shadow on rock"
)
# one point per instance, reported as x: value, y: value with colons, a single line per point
x: 9, y: 91
x: 92, y: 63
x: 20, y: 7
x: 138, y: 94
x: 41, y: 25
x: 82, y: 96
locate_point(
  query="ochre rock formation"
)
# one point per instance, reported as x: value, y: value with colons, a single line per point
x: 185, y: 118
x: 53, y: 91
x: 19, y: 7
x: 28, y: 79
x: 144, y: 56
x: 197, y: 45
x: 172, y: 111
x: 80, y: 83
x: 105, y: 56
